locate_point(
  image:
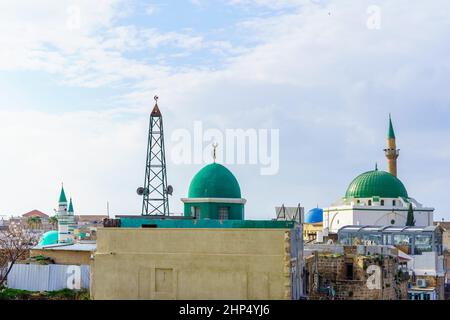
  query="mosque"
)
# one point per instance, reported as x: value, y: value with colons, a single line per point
x: 376, y: 198
x: 214, y: 193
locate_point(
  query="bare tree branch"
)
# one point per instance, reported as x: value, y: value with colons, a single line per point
x: 15, y: 244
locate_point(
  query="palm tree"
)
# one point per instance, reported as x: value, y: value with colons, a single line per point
x: 53, y: 221
x: 34, y: 222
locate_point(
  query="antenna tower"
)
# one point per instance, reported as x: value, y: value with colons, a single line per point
x: 155, y: 191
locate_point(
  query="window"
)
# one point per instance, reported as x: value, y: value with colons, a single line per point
x: 382, y: 202
x: 370, y: 202
x: 394, y: 203
x: 371, y: 239
x: 423, y: 243
x: 403, y: 242
x: 224, y: 213
x: 196, y: 211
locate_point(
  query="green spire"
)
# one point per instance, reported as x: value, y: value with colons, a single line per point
x: 70, y: 207
x: 391, y: 134
x: 62, y: 196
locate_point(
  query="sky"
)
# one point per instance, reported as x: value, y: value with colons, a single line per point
x: 77, y: 81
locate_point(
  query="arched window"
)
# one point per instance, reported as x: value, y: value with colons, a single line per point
x: 394, y: 203
x: 370, y: 202
x: 382, y: 202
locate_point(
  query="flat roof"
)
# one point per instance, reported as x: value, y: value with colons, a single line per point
x: 69, y: 247
x: 187, y: 222
x: 388, y: 229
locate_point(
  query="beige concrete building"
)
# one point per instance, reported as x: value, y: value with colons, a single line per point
x: 75, y: 254
x: 182, y: 263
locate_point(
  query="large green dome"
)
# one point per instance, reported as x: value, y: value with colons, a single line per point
x: 214, y: 181
x: 376, y: 184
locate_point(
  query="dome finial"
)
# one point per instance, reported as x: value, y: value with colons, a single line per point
x: 156, y: 112
x: 215, y: 145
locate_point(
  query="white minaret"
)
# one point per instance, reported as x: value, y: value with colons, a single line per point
x: 65, y: 219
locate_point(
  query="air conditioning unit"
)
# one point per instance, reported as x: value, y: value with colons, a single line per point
x: 421, y: 283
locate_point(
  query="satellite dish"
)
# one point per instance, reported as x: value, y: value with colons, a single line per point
x: 140, y: 191
x: 169, y: 190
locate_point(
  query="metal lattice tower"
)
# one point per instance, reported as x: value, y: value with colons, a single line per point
x: 156, y: 190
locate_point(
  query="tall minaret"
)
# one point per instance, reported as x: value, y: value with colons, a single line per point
x: 391, y: 151
x: 66, y: 219
x: 62, y: 203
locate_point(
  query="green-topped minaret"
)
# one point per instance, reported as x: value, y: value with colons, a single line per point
x: 391, y: 151
x: 70, y: 210
x: 66, y: 219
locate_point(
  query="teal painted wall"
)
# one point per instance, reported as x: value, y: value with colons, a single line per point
x: 209, y: 224
x: 209, y: 210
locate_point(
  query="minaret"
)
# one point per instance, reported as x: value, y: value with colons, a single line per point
x: 66, y: 219
x: 391, y: 151
x: 62, y: 203
x: 70, y: 210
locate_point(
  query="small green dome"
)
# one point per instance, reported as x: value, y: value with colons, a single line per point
x: 376, y: 184
x: 214, y: 181
x: 49, y: 238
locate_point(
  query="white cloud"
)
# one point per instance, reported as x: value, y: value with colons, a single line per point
x: 324, y: 79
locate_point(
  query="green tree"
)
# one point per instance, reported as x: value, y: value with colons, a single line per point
x: 53, y: 221
x: 34, y: 222
x: 410, y: 222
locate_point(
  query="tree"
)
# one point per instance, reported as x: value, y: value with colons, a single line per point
x: 410, y: 222
x: 34, y: 222
x: 53, y: 221
x: 15, y: 245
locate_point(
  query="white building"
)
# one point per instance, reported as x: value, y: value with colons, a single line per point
x: 377, y: 198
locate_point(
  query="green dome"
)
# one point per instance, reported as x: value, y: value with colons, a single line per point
x: 214, y: 181
x: 376, y: 184
x: 49, y: 238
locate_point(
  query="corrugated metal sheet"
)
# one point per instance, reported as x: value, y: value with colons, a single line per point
x: 51, y: 277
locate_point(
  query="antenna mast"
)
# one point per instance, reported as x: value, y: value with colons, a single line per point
x: 155, y: 191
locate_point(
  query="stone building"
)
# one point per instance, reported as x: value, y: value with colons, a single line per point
x: 335, y: 272
x: 423, y: 245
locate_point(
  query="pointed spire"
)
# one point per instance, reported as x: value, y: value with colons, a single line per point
x: 391, y: 134
x: 376, y: 166
x: 62, y: 196
x: 156, y: 112
x: 70, y: 207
